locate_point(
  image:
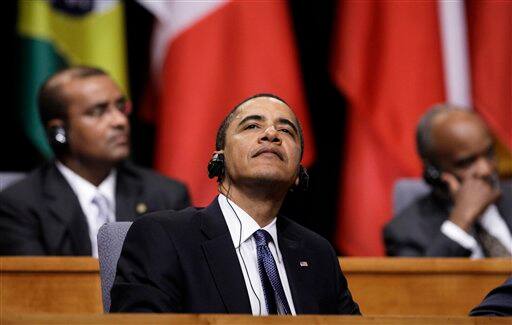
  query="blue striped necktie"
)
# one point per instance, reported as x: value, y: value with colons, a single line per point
x: 272, y: 286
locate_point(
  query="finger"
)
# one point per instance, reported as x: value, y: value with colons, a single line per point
x: 451, y: 180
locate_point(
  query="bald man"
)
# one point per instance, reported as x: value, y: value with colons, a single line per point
x: 467, y: 213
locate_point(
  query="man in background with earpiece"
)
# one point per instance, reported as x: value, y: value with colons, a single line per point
x: 59, y: 207
x: 236, y: 255
x: 468, y: 212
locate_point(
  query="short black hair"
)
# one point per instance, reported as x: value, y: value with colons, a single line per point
x: 220, y: 141
x: 51, y: 101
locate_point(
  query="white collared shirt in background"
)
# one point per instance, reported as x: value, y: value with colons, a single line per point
x: 246, y: 246
x: 85, y: 192
x: 491, y: 221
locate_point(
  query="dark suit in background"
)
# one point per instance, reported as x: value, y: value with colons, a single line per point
x: 41, y: 215
x: 416, y: 231
x: 185, y: 262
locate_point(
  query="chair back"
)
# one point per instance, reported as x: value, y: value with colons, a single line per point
x: 8, y: 178
x: 406, y: 190
x: 110, y: 243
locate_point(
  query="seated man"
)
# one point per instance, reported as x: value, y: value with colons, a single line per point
x: 236, y: 255
x: 58, y: 208
x: 497, y: 303
x: 467, y: 213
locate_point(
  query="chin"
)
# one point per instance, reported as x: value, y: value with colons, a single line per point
x: 270, y: 177
x: 116, y: 157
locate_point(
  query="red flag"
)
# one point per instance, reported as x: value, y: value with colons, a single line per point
x: 388, y: 64
x: 490, y: 43
x: 214, y: 55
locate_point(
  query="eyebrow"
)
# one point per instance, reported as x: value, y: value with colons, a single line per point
x: 261, y: 118
x: 121, y: 98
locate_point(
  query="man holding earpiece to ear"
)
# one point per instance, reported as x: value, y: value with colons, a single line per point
x: 236, y: 255
x: 468, y: 213
x: 58, y: 208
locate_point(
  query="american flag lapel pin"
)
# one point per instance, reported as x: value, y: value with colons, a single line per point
x: 303, y: 264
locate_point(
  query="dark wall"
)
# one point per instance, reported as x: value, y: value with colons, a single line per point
x: 312, y: 22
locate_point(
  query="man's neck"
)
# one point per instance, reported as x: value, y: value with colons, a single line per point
x: 94, y: 173
x: 262, y: 206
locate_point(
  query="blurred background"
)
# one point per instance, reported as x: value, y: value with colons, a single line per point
x: 358, y: 74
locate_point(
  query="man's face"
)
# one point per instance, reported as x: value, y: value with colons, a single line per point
x: 97, y: 126
x: 464, y: 146
x: 263, y: 144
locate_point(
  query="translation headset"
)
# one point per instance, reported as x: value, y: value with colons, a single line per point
x: 57, y: 137
x: 432, y: 175
x: 216, y: 168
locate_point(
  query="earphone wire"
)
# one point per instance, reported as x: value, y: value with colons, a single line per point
x: 239, y: 249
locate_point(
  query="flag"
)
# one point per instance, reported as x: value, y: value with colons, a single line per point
x: 388, y: 63
x: 59, y: 33
x: 490, y: 46
x: 207, y: 57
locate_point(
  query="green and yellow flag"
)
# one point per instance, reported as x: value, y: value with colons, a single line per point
x: 59, y: 33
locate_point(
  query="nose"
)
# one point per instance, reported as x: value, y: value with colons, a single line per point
x: 270, y: 134
x: 118, y: 119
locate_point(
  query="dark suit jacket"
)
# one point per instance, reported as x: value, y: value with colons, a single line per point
x: 497, y: 303
x: 416, y: 231
x: 41, y: 214
x: 185, y: 262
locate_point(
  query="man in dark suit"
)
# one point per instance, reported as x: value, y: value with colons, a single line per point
x: 58, y: 208
x: 235, y: 256
x: 467, y: 212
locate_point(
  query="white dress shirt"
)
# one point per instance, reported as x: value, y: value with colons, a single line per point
x: 491, y: 221
x: 85, y: 192
x: 239, y: 221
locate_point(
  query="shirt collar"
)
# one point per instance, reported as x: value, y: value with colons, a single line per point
x: 86, y: 191
x: 248, y: 224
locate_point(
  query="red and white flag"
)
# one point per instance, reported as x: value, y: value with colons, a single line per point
x: 207, y: 57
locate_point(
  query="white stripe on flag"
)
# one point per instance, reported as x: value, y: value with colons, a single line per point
x: 173, y: 17
x: 453, y: 29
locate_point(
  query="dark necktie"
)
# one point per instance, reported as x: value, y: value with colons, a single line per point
x: 491, y: 246
x: 272, y: 286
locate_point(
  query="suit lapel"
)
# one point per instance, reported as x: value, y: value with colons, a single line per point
x: 128, y: 189
x: 300, y: 268
x: 65, y: 208
x: 222, y: 260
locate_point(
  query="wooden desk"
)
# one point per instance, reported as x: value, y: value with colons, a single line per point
x: 50, y: 284
x: 422, y: 286
x: 381, y: 286
x: 244, y: 319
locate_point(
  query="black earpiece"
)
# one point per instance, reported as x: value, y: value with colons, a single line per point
x: 216, y: 167
x: 303, y: 178
x: 432, y: 175
x: 57, y: 137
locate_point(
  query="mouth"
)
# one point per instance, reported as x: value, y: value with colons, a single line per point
x: 120, y: 139
x: 271, y: 152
